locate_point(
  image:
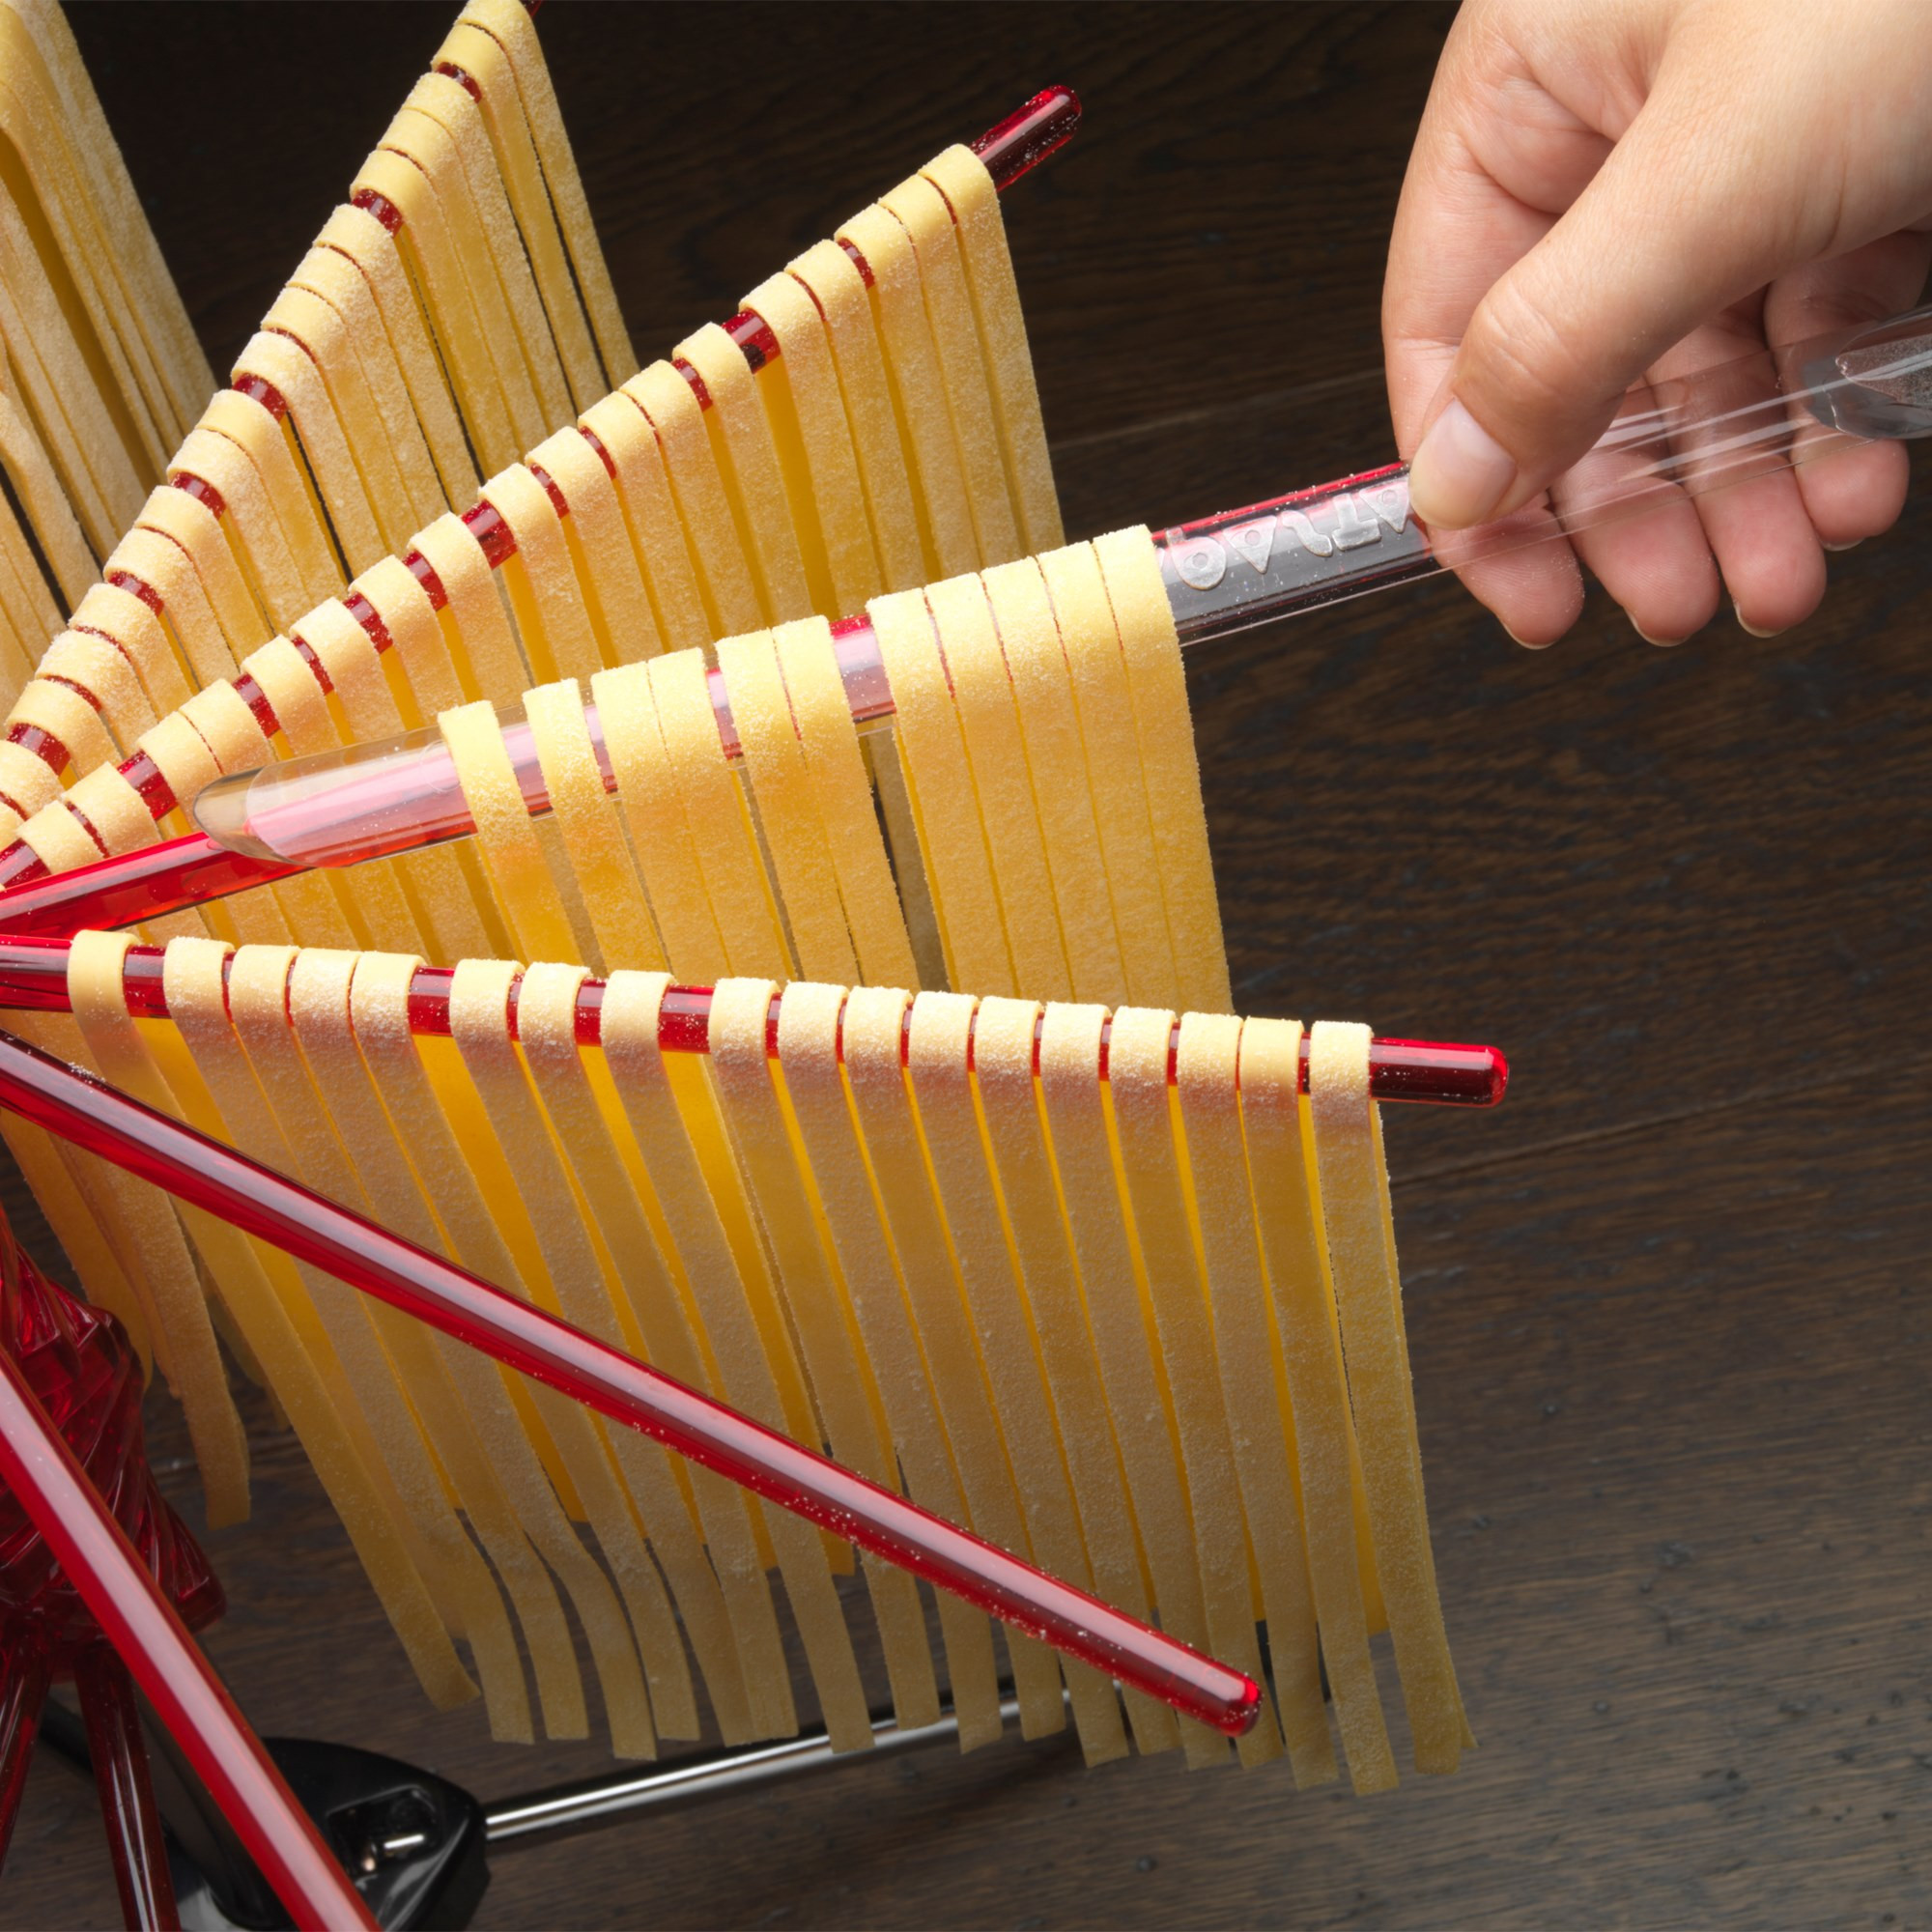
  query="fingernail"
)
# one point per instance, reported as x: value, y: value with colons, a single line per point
x: 1459, y: 473
x: 1853, y: 545
x: 1752, y: 628
x: 1663, y: 643
x: 1524, y: 641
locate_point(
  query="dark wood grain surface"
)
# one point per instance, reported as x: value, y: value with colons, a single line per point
x: 1671, y: 1312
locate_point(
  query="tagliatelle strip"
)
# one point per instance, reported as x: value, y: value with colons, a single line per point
x: 318, y: 904
x: 121, y: 617
x: 354, y: 234
x: 600, y: 548
x: 715, y: 820
x: 940, y: 783
x: 336, y: 419
x: 647, y: 794
x: 479, y: 1023
x: 180, y: 1312
x: 982, y: 697
x: 392, y: 429
x: 541, y: 580
x: 831, y: 277
x: 847, y: 1399
x: 259, y: 993
x: 320, y: 1008
x: 437, y: 272
x: 60, y: 711
x: 591, y: 831
x: 428, y: 145
x: 186, y: 610
x: 449, y: 105
x: 318, y: 1004
x: 922, y: 210
x: 269, y: 1306
x: 1261, y: 1427
x: 1158, y: 687
x: 734, y: 1635
x: 1142, y: 1116
x: 948, y: 541
x: 1361, y: 1252
x: 843, y: 792
x: 482, y: 645
x: 828, y: 504
x: 99, y: 667
x: 276, y: 584
x: 512, y: 29
x: 1057, y: 763
x: 526, y: 893
x: 725, y: 574
x: 186, y: 521
x: 918, y: 1231
x: 960, y: 175
x: 650, y: 515
x: 1003, y: 1055
x: 432, y: 881
x: 484, y: 61
x: 47, y: 511
x: 378, y: 1003
x: 749, y: 464
x: 948, y: 1124
x: 270, y: 448
x: 1271, y: 1119
x: 403, y: 607
x: 1083, y: 1159
x: 1117, y: 784
x: 775, y: 760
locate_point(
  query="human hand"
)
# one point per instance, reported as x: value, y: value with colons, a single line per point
x: 1609, y: 193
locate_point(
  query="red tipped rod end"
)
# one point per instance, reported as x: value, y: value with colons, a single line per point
x: 1025, y: 138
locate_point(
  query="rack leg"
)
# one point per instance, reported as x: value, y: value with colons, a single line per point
x: 127, y: 1811
x: 23, y: 1689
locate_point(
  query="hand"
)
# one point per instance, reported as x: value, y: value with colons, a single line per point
x: 1609, y: 191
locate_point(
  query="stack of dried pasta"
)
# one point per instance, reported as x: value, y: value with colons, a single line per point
x: 897, y: 438
x: 100, y: 371
x: 1150, y: 1337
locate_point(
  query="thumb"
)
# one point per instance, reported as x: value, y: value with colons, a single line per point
x: 1682, y: 220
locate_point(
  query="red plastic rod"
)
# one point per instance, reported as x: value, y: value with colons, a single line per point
x: 135, y: 1846
x: 173, y: 1674
x: 32, y: 978
x: 314, y: 1229
x: 1013, y: 148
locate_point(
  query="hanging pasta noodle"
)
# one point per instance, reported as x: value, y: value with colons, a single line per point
x: 663, y: 558
x: 829, y: 275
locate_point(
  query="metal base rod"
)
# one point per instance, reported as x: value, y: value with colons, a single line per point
x: 713, y: 1774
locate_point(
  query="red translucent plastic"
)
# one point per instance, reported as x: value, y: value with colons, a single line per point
x: 42, y: 1479
x: 135, y: 1846
x: 138, y: 886
x: 32, y: 978
x: 270, y: 1206
x: 24, y: 1691
x: 1010, y: 150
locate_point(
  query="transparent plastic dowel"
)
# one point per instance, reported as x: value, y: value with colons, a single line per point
x: 1672, y: 440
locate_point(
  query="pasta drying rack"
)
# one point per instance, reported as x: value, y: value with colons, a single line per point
x: 99, y: 1578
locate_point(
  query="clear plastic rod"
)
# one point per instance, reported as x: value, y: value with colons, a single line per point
x: 1223, y: 574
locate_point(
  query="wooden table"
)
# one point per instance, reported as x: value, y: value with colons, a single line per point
x: 1671, y: 1312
